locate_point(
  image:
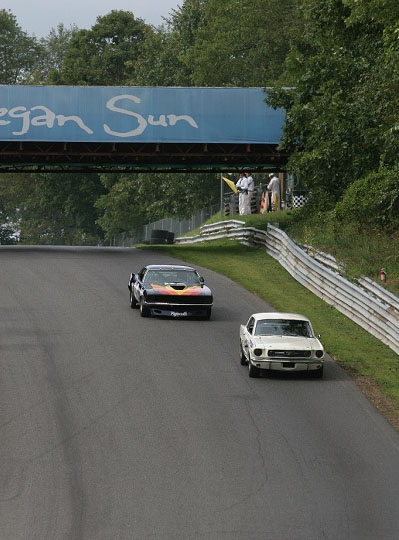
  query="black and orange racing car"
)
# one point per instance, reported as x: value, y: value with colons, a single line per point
x: 170, y: 290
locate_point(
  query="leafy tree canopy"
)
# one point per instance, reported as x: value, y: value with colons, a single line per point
x: 203, y: 42
x: 18, y: 51
x: 54, y: 48
x: 163, y: 58
x: 52, y: 208
x: 105, y: 54
x: 339, y: 110
x: 244, y: 42
x: 132, y: 200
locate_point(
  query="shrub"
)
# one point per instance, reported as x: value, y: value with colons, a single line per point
x: 371, y: 201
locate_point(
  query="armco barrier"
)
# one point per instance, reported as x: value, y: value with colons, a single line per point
x: 368, y: 304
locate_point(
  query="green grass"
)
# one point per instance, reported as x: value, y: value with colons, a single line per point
x: 351, y: 346
x: 364, y: 253
x: 253, y: 220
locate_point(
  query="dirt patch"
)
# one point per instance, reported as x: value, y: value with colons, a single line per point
x: 384, y: 404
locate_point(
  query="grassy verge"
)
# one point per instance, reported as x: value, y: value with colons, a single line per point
x: 366, y: 358
x: 364, y: 253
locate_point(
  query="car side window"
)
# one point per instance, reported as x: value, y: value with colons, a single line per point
x: 250, y: 325
x: 141, y: 274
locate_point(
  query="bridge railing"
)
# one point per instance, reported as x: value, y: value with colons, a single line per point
x: 366, y: 303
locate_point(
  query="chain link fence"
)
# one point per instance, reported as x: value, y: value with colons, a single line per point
x: 177, y: 227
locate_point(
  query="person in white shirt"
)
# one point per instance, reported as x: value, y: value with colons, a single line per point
x: 250, y: 185
x: 274, y: 187
x: 241, y: 186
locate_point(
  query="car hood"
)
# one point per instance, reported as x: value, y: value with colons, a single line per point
x: 180, y: 290
x: 286, y: 342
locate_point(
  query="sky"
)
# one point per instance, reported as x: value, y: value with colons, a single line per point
x: 39, y: 16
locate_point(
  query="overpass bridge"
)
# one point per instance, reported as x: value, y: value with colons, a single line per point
x: 137, y: 129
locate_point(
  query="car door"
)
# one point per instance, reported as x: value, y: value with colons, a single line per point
x: 247, y: 336
x: 138, y: 287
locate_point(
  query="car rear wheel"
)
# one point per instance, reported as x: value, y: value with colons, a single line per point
x: 253, y: 371
x: 144, y: 310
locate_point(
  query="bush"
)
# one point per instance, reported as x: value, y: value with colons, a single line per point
x: 371, y: 201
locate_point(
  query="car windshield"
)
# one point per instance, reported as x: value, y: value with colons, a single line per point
x: 283, y: 327
x: 168, y: 277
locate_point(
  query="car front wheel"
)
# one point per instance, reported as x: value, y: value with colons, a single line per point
x: 317, y: 373
x: 133, y: 302
x: 243, y: 358
x: 253, y: 371
x: 144, y: 310
x: 208, y: 314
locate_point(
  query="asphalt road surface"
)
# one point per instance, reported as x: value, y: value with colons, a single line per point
x: 115, y: 427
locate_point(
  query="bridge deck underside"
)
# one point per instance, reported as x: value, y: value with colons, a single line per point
x: 20, y: 156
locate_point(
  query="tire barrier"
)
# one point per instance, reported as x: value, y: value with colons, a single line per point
x: 159, y: 236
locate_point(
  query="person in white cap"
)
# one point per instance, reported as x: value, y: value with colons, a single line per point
x: 274, y: 187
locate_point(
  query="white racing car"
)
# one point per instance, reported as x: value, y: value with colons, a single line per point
x: 280, y: 341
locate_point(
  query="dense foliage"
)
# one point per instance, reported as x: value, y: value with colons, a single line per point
x: 243, y: 43
x: 106, y: 54
x: 342, y: 111
x: 207, y: 42
x: 132, y: 200
x: 18, y: 51
x: 52, y: 208
x: 372, y: 202
x: 334, y: 66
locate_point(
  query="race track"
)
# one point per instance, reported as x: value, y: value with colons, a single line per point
x: 116, y: 427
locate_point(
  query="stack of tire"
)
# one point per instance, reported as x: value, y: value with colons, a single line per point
x: 158, y: 236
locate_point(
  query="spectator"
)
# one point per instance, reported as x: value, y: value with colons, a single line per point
x: 274, y: 187
x: 241, y: 186
x: 250, y: 185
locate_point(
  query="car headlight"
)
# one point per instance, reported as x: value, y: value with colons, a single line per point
x: 258, y: 352
x: 319, y: 354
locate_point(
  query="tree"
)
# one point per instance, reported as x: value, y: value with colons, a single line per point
x: 54, y: 48
x: 243, y: 42
x: 157, y: 64
x: 52, y: 208
x: 8, y: 230
x: 133, y: 200
x: 162, y: 60
x: 338, y: 107
x: 105, y: 54
x: 184, y: 26
x: 7, y: 235
x: 381, y: 11
x: 18, y: 51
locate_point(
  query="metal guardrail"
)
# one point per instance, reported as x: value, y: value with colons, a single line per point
x: 367, y: 303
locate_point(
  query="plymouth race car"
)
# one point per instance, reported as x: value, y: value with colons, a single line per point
x: 280, y: 341
x: 170, y: 290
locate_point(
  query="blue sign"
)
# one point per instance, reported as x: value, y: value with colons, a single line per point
x: 138, y: 114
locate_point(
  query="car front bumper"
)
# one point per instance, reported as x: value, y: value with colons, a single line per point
x: 179, y: 310
x: 285, y: 365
